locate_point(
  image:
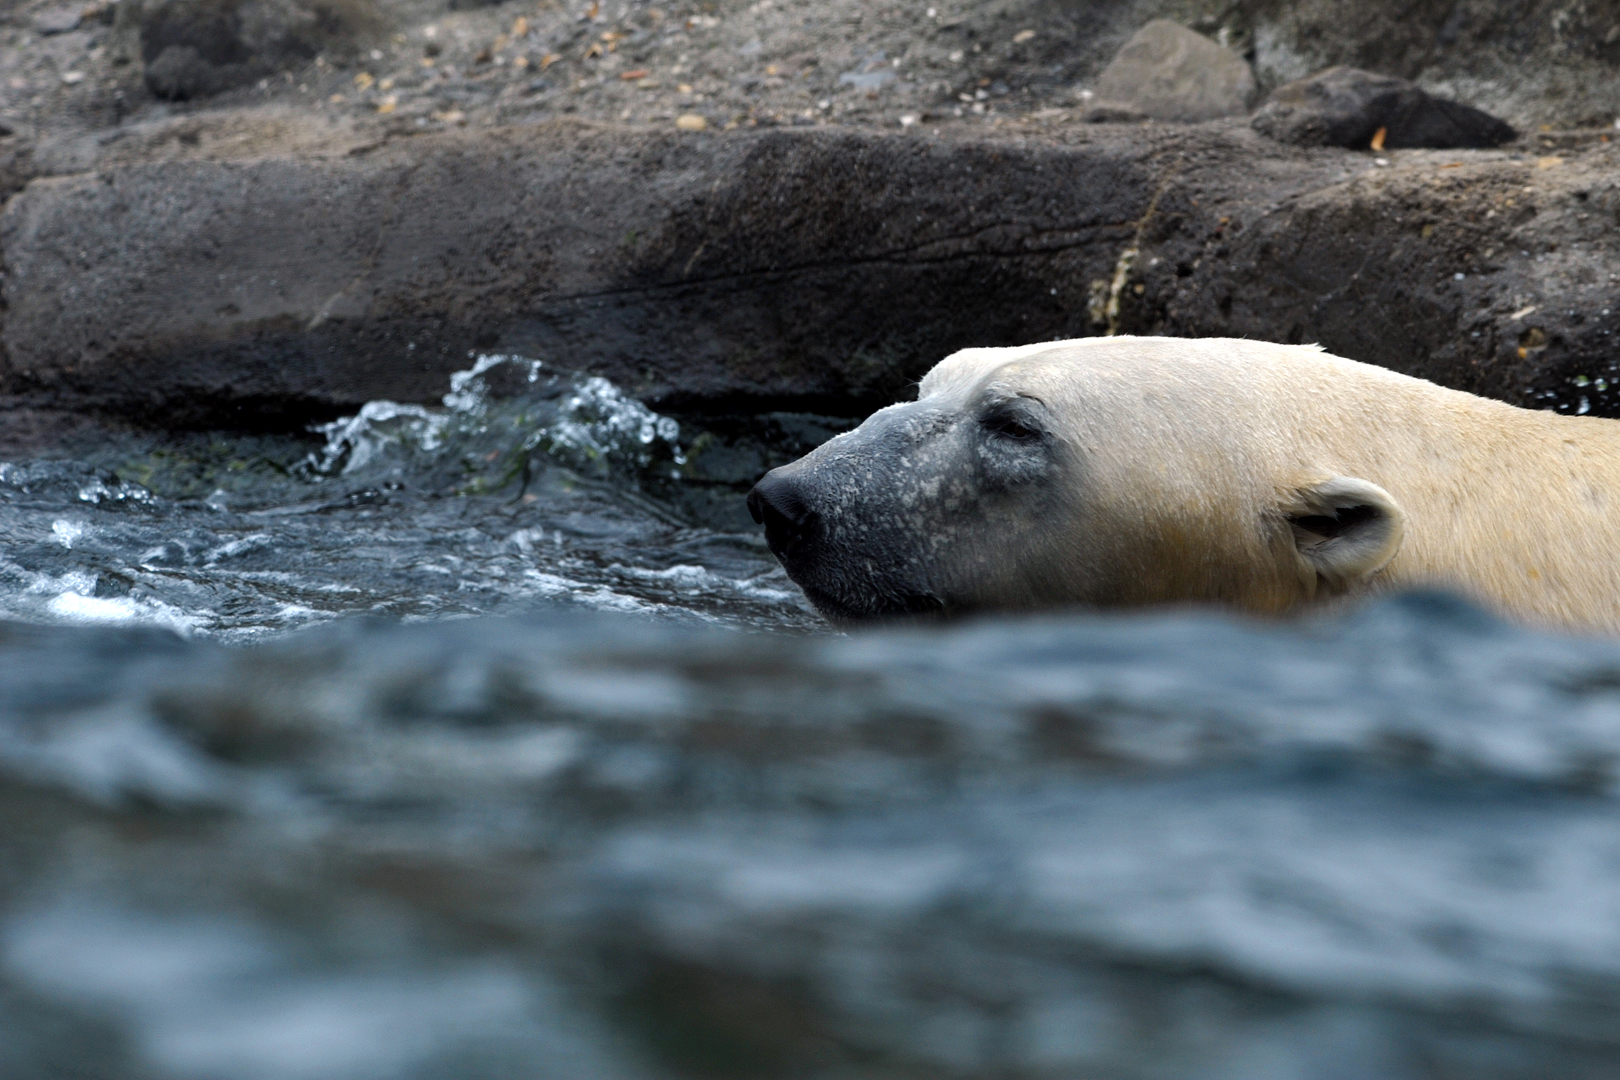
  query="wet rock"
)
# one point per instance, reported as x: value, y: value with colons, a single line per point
x: 194, y: 48
x: 1168, y: 72
x: 1346, y: 107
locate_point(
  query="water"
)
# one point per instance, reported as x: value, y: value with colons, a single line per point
x: 1185, y: 847
x: 527, y: 485
x: 662, y: 825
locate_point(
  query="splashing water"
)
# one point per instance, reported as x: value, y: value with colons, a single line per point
x: 497, y: 415
x: 527, y: 485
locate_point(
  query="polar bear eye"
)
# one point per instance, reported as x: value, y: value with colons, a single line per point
x: 1011, y: 427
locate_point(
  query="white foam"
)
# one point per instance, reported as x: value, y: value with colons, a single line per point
x: 67, y: 532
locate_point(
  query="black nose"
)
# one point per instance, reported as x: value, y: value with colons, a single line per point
x: 777, y: 503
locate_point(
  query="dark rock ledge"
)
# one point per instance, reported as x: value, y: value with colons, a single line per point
x: 808, y: 268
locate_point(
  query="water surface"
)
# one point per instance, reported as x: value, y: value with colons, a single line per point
x: 652, y: 828
x: 527, y: 485
x: 1381, y: 847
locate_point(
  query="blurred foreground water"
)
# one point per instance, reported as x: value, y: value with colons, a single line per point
x: 655, y: 828
x: 581, y: 845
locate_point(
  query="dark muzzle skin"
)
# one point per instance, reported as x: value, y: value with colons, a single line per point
x: 779, y: 503
x: 830, y: 520
x: 899, y: 517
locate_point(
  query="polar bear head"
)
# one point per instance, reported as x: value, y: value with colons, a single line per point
x: 1102, y: 472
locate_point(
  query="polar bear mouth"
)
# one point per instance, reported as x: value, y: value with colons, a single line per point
x: 877, y: 607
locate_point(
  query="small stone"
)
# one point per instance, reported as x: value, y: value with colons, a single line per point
x: 1023, y: 36
x: 1168, y: 72
x: 387, y: 105
x: 867, y: 80
x: 520, y: 27
x: 451, y: 116
x: 58, y: 20
x: 691, y: 122
x: 72, y: 77
x: 1346, y: 107
x: 364, y: 80
x: 871, y: 75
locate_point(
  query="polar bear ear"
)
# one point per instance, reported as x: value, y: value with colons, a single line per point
x: 1345, y: 529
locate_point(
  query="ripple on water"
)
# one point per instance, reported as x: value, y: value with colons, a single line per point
x: 526, y: 485
x: 1168, y: 847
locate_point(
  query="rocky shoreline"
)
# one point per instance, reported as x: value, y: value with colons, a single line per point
x: 328, y: 222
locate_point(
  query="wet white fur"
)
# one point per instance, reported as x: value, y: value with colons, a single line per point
x: 1192, y: 454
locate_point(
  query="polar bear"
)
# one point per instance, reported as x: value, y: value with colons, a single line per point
x: 1129, y: 471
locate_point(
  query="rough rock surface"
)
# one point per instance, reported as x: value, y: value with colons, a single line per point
x: 746, y: 62
x: 1168, y: 72
x: 1346, y: 107
x: 513, y: 175
x: 821, y: 270
x: 194, y: 48
x: 1540, y: 62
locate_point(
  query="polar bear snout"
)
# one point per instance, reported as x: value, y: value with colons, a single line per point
x: 854, y: 521
x: 777, y: 503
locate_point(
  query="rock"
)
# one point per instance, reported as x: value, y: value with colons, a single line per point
x: 1168, y: 72
x: 1346, y: 107
x: 16, y: 160
x: 58, y: 20
x: 1535, y: 62
x: 867, y: 80
x: 812, y: 269
x: 194, y: 48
